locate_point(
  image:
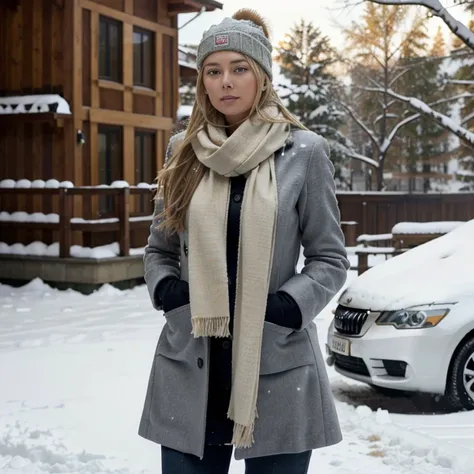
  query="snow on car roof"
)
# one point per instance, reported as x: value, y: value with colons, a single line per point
x: 439, y: 271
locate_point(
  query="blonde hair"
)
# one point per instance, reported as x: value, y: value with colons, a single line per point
x: 183, y: 172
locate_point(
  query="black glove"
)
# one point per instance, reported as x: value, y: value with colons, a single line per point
x: 172, y: 293
x: 283, y: 310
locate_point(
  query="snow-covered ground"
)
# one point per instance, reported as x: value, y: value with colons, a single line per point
x: 73, y: 374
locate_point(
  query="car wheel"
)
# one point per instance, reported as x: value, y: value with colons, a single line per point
x: 460, y: 384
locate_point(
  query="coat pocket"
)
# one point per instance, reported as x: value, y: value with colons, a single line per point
x: 176, y: 337
x: 284, y: 349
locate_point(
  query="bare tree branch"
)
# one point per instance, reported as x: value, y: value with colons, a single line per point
x: 437, y: 9
x: 467, y: 118
x: 361, y: 124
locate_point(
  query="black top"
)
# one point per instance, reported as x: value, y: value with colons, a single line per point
x: 219, y: 427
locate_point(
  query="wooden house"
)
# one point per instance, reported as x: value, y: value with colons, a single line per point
x: 88, y: 96
x: 115, y: 64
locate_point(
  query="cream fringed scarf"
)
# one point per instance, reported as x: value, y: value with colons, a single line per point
x: 249, y: 150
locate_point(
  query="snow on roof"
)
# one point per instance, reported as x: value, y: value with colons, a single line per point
x: 188, y: 49
x: 435, y: 272
x: 440, y: 227
x: 31, y: 104
x: 184, y: 111
x: 188, y: 64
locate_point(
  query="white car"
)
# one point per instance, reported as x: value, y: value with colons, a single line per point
x: 408, y: 323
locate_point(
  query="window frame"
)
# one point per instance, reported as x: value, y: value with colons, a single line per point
x: 105, y: 62
x: 107, y: 203
x: 141, y: 81
x: 144, y: 204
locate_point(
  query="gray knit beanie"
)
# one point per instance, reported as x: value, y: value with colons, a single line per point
x: 242, y: 36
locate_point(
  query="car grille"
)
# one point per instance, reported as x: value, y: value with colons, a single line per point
x: 349, y: 320
x: 351, y: 364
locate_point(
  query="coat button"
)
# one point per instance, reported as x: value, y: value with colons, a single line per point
x: 225, y: 345
x: 200, y: 363
x: 185, y: 250
x: 237, y: 197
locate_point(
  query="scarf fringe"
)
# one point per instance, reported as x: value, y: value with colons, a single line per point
x: 243, y: 435
x: 206, y: 327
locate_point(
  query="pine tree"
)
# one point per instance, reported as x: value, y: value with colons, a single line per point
x: 382, y: 45
x: 424, y: 146
x: 305, y: 58
x: 438, y: 48
x: 466, y: 73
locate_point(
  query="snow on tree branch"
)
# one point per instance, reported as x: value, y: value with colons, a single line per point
x: 425, y: 109
x: 464, y: 83
x: 358, y: 156
x: 388, y: 141
x: 437, y: 9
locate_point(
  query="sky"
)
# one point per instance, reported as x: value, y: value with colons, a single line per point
x: 325, y: 14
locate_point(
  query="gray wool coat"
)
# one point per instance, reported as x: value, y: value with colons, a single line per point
x: 295, y: 405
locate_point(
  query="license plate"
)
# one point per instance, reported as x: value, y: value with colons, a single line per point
x: 340, y: 345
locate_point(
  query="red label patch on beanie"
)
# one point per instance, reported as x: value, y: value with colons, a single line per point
x: 222, y: 40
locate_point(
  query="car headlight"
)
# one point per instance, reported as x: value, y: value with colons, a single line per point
x: 416, y: 319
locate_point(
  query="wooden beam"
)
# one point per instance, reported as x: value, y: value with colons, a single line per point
x: 77, y: 91
x: 85, y: 113
x: 117, y: 117
x: 175, y: 84
x: 104, y: 84
x: 129, y: 7
x: 127, y: 18
x: 159, y: 153
x: 144, y: 91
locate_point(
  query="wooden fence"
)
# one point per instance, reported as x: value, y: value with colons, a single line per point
x: 122, y: 224
x: 361, y: 213
x: 377, y: 213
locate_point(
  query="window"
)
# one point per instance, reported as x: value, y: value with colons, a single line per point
x: 145, y: 171
x: 110, y: 163
x: 143, y: 58
x: 110, y: 50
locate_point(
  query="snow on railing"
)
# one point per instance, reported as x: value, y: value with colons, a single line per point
x: 55, y: 184
x: 41, y: 249
x: 39, y: 217
x: 440, y: 227
x: 36, y: 184
x: 64, y: 221
x: 373, y: 237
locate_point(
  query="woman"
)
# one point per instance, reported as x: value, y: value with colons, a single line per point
x: 238, y: 362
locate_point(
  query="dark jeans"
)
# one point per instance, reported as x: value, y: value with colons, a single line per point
x: 217, y: 459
